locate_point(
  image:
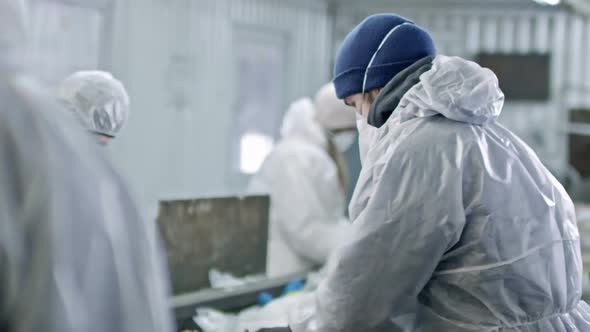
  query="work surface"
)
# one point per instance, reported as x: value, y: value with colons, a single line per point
x: 230, y: 299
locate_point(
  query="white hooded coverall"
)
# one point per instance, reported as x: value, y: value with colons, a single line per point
x: 458, y: 226
x: 307, y: 216
x: 75, y: 254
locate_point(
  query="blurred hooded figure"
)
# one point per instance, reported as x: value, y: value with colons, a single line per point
x: 75, y: 254
x: 306, y: 178
x: 98, y: 100
x: 339, y: 123
x: 457, y: 224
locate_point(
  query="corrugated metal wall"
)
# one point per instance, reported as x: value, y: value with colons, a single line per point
x: 466, y: 30
x: 166, y: 49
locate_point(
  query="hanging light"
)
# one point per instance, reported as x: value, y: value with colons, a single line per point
x: 254, y: 148
x: 548, y: 2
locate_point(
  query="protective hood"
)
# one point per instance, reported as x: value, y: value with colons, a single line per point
x: 99, y: 100
x: 331, y: 112
x: 455, y: 88
x: 307, y: 220
x: 300, y: 122
x: 13, y: 35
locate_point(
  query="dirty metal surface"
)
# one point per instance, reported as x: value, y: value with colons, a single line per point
x: 228, y: 234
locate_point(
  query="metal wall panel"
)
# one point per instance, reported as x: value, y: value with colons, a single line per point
x: 169, y: 50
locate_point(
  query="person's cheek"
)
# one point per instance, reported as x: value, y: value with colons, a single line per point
x: 359, y: 109
x: 366, y: 109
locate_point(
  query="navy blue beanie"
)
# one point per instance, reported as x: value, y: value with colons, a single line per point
x: 406, y: 45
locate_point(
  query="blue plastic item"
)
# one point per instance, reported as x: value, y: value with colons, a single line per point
x: 265, y: 298
x: 293, y: 286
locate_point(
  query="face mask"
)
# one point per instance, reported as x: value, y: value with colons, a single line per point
x: 367, y: 134
x: 343, y: 141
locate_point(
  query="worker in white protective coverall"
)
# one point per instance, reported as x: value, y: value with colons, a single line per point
x: 75, y: 254
x: 306, y: 178
x: 98, y: 100
x: 458, y: 225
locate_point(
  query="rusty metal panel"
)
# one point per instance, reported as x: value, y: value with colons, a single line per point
x: 228, y: 234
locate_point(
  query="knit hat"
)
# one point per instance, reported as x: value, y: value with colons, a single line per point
x: 402, y: 44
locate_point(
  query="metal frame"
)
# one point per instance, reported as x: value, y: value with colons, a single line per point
x: 231, y: 299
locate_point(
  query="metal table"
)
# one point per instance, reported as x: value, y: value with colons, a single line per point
x: 231, y: 299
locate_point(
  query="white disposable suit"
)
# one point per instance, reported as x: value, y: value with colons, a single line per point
x: 307, y: 220
x: 457, y: 224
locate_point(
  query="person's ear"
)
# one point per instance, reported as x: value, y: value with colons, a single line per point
x: 375, y: 93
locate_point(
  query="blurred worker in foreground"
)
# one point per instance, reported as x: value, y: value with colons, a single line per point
x: 98, y: 100
x: 306, y: 178
x: 75, y: 254
x: 458, y: 225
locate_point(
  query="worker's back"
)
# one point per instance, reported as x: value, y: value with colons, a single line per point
x: 515, y: 264
x: 457, y: 224
x: 76, y: 255
x: 504, y: 226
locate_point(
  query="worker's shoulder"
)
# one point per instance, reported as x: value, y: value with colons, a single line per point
x: 25, y: 99
x: 434, y: 136
x: 46, y: 136
x: 21, y: 119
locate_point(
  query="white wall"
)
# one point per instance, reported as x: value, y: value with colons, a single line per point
x: 467, y: 27
x: 168, y: 151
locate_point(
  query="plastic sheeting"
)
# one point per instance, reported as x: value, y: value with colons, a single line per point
x: 225, y: 280
x: 458, y: 225
x: 252, y: 319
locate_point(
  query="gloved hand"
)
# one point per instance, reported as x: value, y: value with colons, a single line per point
x: 276, y: 329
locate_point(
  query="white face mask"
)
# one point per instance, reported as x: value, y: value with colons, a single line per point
x: 343, y: 141
x: 367, y: 134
